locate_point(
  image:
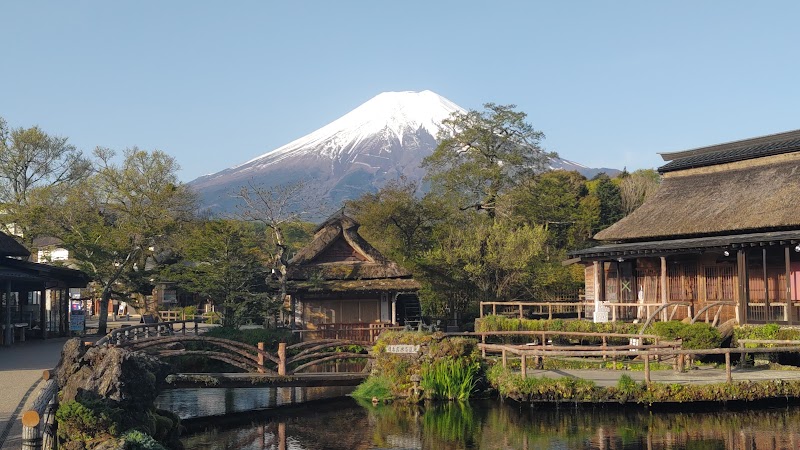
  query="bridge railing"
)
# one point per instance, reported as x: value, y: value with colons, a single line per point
x: 149, y: 330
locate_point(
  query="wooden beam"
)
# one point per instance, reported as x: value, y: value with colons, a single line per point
x: 789, y: 309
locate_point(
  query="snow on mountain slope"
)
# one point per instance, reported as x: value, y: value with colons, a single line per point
x: 383, y: 139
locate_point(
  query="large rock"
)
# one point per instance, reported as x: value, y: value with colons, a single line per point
x: 117, y: 383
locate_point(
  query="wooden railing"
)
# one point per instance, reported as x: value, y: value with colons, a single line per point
x: 148, y: 330
x: 358, y: 332
x: 645, y: 352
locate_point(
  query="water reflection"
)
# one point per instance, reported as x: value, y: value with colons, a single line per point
x: 494, y: 425
x: 192, y: 403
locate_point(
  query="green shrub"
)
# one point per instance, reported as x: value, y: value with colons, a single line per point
x: 374, y: 387
x: 696, y: 336
x: 87, y: 421
x: 136, y: 440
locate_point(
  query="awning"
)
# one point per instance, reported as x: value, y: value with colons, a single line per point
x: 689, y: 245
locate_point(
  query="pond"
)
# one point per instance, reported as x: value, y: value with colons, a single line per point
x: 344, y: 423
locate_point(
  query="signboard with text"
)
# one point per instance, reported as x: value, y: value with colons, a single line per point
x: 403, y: 349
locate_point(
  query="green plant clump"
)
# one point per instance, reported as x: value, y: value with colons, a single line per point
x: 450, y: 379
x: 374, y: 387
x: 136, y: 440
x: 500, y: 323
x: 87, y: 422
x: 696, y: 336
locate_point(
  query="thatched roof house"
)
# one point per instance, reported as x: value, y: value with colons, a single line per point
x: 726, y: 210
x: 340, y: 278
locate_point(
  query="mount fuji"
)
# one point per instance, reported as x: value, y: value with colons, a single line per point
x: 383, y: 139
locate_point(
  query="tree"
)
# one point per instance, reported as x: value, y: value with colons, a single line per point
x: 35, y: 168
x: 609, y: 199
x: 120, y: 216
x: 278, y: 208
x: 637, y: 187
x: 496, y: 256
x: 222, y: 260
x: 396, y: 221
x: 482, y: 154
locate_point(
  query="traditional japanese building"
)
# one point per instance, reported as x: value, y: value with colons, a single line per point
x: 722, y: 233
x: 341, y: 281
x: 34, y: 298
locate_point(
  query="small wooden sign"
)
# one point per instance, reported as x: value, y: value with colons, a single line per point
x: 403, y: 349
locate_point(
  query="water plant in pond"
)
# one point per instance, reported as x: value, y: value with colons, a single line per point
x: 450, y: 379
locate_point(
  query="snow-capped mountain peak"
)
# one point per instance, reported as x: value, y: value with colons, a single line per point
x: 390, y: 113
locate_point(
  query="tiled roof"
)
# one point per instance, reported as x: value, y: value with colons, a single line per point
x: 773, y: 144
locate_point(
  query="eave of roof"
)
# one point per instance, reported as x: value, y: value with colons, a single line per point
x: 690, y: 245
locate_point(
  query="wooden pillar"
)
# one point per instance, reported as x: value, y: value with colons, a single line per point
x: 664, y: 291
x: 647, y: 367
x: 292, y: 312
x: 43, y: 314
x: 505, y: 358
x: 602, y: 281
x: 743, y: 284
x: 523, y: 362
x: 260, y: 357
x: 766, y: 280
x: 8, y: 332
x: 789, y: 310
x: 728, y: 376
x: 394, y: 309
x: 282, y: 359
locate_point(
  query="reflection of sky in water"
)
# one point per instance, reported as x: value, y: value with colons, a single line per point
x: 187, y: 403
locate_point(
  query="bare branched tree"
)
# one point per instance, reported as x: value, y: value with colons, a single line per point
x: 278, y: 207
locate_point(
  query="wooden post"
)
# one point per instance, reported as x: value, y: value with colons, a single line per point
x: 788, y: 309
x: 605, y: 344
x: 681, y: 358
x: 483, y: 347
x: 549, y: 311
x: 523, y: 362
x: 505, y: 359
x: 260, y: 357
x: 728, y: 376
x: 647, y: 367
x: 520, y: 310
x: 394, y: 309
x: 664, y: 292
x: 31, y: 431
x: 494, y: 309
x: 196, y: 327
x: 282, y: 359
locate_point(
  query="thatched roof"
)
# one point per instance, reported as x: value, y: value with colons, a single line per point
x: 10, y: 247
x: 740, y: 197
x: 338, y: 252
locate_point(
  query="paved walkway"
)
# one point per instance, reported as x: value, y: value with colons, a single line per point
x: 21, y: 367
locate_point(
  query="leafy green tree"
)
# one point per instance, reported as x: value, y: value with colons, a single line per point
x: 482, y: 154
x: 121, y: 216
x: 35, y: 168
x: 609, y: 199
x: 223, y: 260
x: 396, y: 221
x: 495, y: 256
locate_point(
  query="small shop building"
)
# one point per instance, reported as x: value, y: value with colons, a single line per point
x: 721, y: 236
x: 35, y: 298
x: 339, y: 281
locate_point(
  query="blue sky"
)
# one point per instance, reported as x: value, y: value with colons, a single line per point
x: 218, y: 83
